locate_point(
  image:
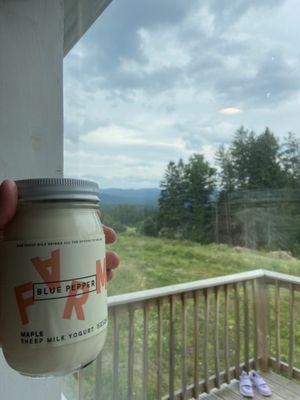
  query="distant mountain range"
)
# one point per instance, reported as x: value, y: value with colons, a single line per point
x: 147, y: 197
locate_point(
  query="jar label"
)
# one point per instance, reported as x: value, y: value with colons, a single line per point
x: 54, y: 291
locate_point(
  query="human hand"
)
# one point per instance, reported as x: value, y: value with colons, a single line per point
x: 8, y: 206
x: 112, y: 259
x: 8, y: 201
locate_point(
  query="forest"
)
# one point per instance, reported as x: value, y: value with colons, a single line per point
x: 249, y: 197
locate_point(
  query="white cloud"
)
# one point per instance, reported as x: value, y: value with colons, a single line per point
x: 114, y: 170
x: 144, y: 89
x: 112, y: 136
x: 121, y: 157
x: 160, y: 49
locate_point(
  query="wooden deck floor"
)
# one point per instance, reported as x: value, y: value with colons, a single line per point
x: 282, y: 389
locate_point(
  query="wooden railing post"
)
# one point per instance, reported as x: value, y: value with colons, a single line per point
x: 184, y: 346
x: 159, y: 347
x: 237, y: 330
x: 197, y: 345
x: 216, y: 336
x: 206, y: 340
x: 116, y: 355
x: 292, y: 312
x: 262, y: 322
x: 131, y: 337
x: 277, y: 325
x: 146, y: 352
x: 171, y: 349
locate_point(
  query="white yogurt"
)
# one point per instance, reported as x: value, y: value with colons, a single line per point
x: 53, y: 279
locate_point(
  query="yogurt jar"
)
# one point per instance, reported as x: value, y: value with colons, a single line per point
x: 53, y: 278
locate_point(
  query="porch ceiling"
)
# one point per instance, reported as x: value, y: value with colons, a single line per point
x: 79, y: 16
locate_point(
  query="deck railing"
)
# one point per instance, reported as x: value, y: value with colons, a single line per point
x: 178, y: 341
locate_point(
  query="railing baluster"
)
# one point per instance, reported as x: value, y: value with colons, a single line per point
x: 246, y: 326
x: 116, y: 355
x: 197, y: 345
x: 206, y: 339
x: 277, y: 325
x: 145, y: 352
x: 98, y: 387
x: 237, y: 330
x: 171, y: 350
x: 255, y: 336
x: 159, y: 347
x: 226, y: 336
x: 130, y: 353
x: 292, y: 329
x: 216, y: 335
x: 263, y: 316
x: 184, y: 345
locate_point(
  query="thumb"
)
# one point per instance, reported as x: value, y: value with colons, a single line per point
x: 8, y: 201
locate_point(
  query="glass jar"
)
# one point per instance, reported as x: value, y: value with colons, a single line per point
x: 53, y: 278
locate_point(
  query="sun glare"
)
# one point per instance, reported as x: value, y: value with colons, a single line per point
x: 230, y: 111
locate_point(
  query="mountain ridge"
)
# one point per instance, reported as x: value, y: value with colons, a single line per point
x: 115, y: 196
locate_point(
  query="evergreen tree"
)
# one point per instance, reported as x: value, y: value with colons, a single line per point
x: 258, y: 163
x: 199, y: 178
x: 149, y: 227
x: 241, y: 156
x: 251, y: 162
x: 184, y: 203
x: 290, y: 159
x: 171, y: 200
x: 227, y: 173
x: 264, y: 168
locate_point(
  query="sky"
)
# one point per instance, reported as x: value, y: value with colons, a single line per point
x: 154, y: 81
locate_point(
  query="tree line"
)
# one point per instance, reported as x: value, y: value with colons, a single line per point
x: 199, y: 201
x: 250, y: 196
x: 122, y: 216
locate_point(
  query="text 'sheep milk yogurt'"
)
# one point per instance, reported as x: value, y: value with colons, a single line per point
x: 53, y: 278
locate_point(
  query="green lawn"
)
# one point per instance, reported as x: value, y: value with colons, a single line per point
x: 153, y: 262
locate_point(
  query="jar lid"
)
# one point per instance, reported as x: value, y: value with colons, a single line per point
x: 57, y: 189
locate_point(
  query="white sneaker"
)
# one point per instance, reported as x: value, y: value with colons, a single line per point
x: 260, y: 384
x: 246, y: 385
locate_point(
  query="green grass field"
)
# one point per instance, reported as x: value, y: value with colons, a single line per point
x: 148, y: 262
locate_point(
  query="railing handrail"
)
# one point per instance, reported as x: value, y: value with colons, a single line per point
x: 282, y: 277
x: 134, y: 297
x: 164, y: 291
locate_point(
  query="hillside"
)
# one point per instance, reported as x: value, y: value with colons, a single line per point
x: 152, y: 262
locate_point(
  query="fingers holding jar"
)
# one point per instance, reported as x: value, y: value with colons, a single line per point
x: 112, y: 262
x: 8, y: 205
x: 112, y: 259
x: 110, y: 235
x: 8, y: 201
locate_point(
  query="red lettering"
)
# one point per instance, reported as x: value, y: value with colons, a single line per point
x: 24, y: 302
x: 74, y: 302
x: 101, y: 277
x: 49, y: 269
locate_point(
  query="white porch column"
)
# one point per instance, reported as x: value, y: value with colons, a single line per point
x: 31, y: 92
x: 31, y: 123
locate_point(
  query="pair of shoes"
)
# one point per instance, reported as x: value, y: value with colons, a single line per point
x: 248, y: 381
